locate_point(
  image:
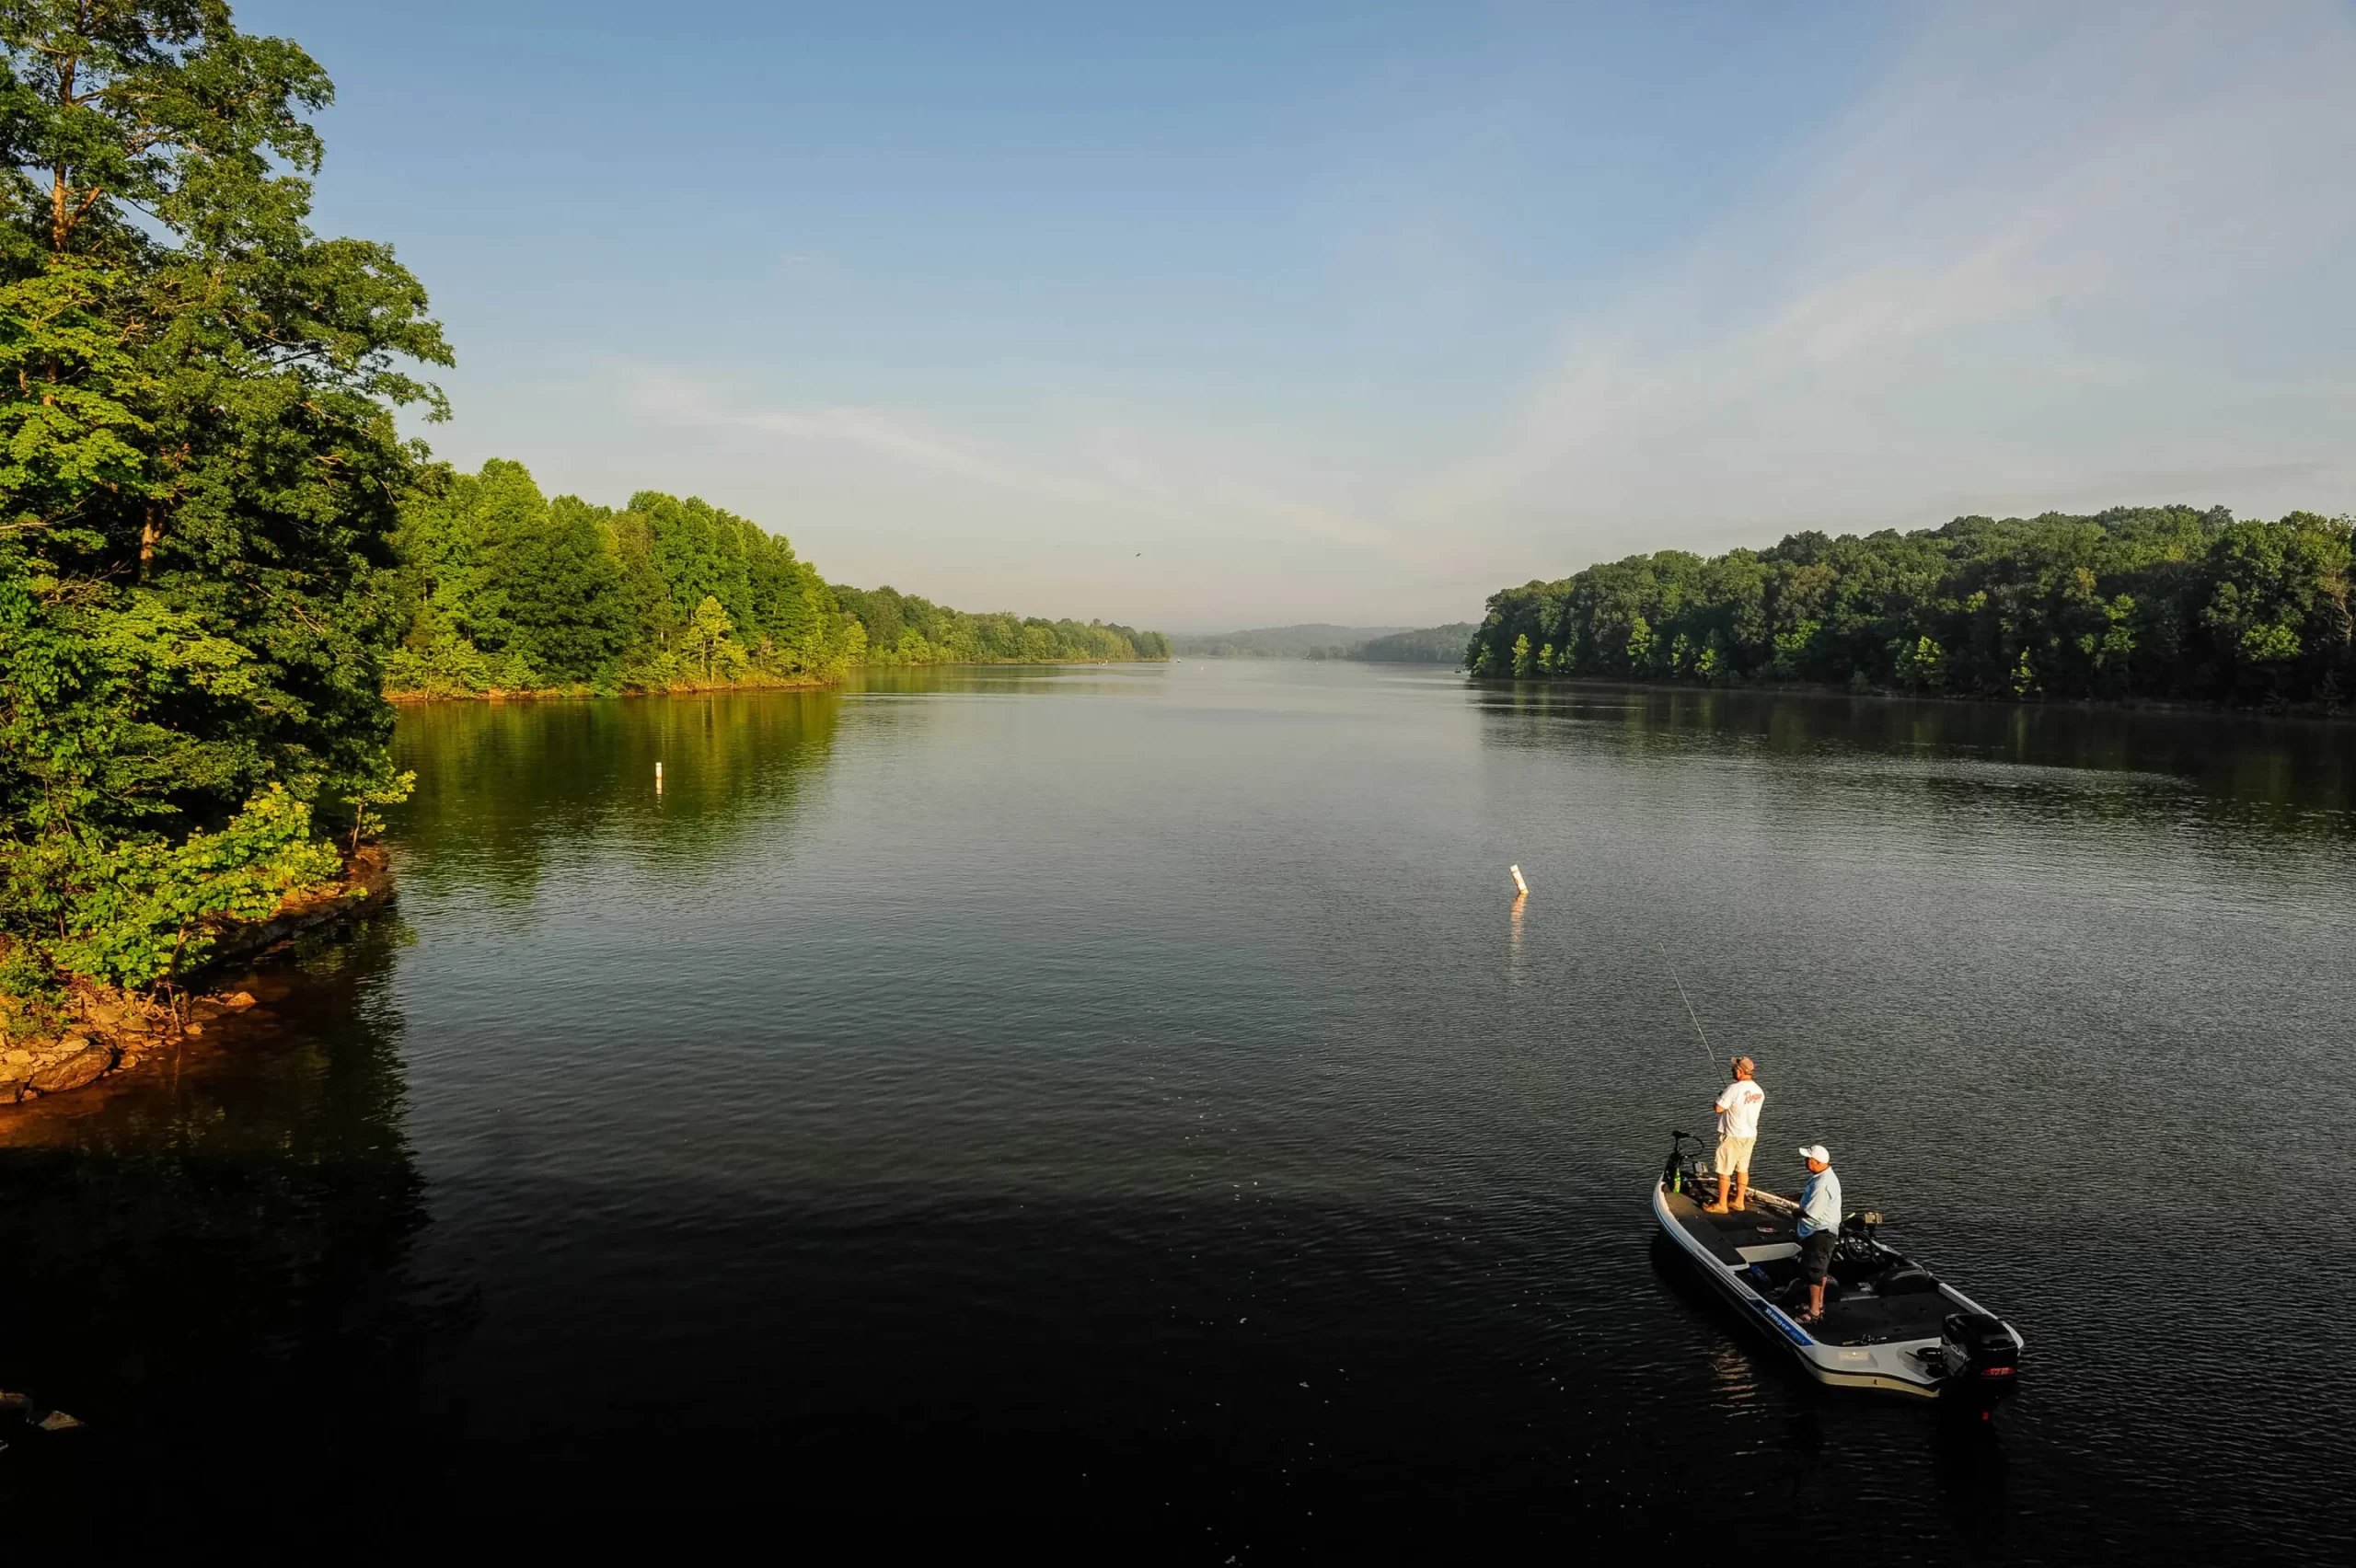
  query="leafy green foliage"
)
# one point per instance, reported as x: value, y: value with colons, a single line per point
x: 200, y: 479
x: 500, y: 588
x: 137, y: 913
x: 902, y: 628
x: 2148, y: 601
x: 707, y: 633
x: 388, y: 788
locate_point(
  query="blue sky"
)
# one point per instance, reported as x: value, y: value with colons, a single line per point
x: 1202, y: 315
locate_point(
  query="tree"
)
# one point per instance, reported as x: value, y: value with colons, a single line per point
x: 204, y: 474
x: 1640, y: 646
x: 564, y: 593
x: 532, y: 586
x: 707, y: 632
x: 1921, y: 664
x: 2165, y: 602
x: 147, y: 913
x: 2280, y: 606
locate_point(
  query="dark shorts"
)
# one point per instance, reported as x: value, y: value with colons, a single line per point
x: 1816, y: 1256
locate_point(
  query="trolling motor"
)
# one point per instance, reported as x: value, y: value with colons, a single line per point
x: 1681, y: 1172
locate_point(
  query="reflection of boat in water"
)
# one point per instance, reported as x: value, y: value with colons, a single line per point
x: 1888, y: 1323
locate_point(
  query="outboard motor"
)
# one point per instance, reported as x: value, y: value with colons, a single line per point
x: 1982, y: 1359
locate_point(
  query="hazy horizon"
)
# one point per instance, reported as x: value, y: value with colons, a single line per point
x: 1236, y: 317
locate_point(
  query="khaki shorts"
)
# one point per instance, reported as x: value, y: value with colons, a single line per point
x: 1734, y: 1154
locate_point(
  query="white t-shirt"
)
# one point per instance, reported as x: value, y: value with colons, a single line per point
x: 1738, y: 1108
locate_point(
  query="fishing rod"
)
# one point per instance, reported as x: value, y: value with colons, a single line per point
x: 1689, y: 1013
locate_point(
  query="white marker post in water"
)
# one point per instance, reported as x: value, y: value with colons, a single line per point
x: 658, y: 778
x: 1516, y: 880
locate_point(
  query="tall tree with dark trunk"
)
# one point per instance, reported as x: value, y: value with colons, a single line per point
x: 201, y: 477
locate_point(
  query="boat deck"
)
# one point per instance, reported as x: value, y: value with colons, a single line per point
x: 1764, y: 1235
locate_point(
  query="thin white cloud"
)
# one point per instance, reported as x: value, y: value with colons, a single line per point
x: 2056, y: 255
x: 894, y: 437
x: 1857, y: 336
x: 1145, y: 482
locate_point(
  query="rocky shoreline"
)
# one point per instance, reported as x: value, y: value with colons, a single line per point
x: 100, y: 1030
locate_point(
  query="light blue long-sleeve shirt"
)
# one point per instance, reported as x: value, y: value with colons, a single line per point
x: 1820, y: 1203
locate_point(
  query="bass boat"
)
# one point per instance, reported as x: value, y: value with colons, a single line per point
x: 1889, y: 1324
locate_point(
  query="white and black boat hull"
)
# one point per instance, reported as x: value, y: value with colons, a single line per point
x: 1887, y: 1355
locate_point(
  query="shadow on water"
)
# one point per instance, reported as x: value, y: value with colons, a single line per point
x: 1962, y: 1452
x: 209, y: 1265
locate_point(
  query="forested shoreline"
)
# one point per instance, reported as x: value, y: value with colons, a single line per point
x: 1319, y: 641
x: 1426, y: 645
x: 218, y: 552
x: 901, y: 628
x: 500, y: 588
x: 2165, y: 603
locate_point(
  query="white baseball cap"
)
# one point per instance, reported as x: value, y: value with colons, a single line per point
x: 1817, y: 1151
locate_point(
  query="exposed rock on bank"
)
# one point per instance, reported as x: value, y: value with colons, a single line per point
x: 99, y: 1030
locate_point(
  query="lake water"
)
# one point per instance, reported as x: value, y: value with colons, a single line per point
x: 1122, y: 1110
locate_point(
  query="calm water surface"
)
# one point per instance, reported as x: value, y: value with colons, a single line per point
x: 1121, y: 1109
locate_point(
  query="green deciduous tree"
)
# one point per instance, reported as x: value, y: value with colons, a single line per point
x: 502, y: 588
x: 146, y: 911
x: 707, y: 633
x: 203, y: 472
x: 2164, y: 602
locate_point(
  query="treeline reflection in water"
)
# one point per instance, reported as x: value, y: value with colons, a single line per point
x: 1119, y: 1110
x: 2223, y: 786
x: 503, y: 789
x: 2293, y: 773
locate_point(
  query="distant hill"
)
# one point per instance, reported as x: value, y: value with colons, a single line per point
x: 1314, y: 640
x: 1431, y: 645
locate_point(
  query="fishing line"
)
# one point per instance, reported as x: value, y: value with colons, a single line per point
x: 1681, y: 996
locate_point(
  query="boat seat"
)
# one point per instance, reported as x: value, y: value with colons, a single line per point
x: 1905, y: 1277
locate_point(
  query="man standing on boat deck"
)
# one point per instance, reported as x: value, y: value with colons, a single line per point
x: 1738, y: 1110
x: 1819, y: 1226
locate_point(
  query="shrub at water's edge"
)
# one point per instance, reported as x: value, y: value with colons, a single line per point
x: 499, y: 590
x: 198, y: 489
x: 2146, y: 603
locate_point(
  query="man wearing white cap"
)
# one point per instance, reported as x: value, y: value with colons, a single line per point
x: 1819, y: 1226
x: 1737, y: 1109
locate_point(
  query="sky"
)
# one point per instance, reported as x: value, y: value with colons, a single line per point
x: 1197, y: 315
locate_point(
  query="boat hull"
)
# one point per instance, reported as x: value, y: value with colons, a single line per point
x: 1912, y: 1367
